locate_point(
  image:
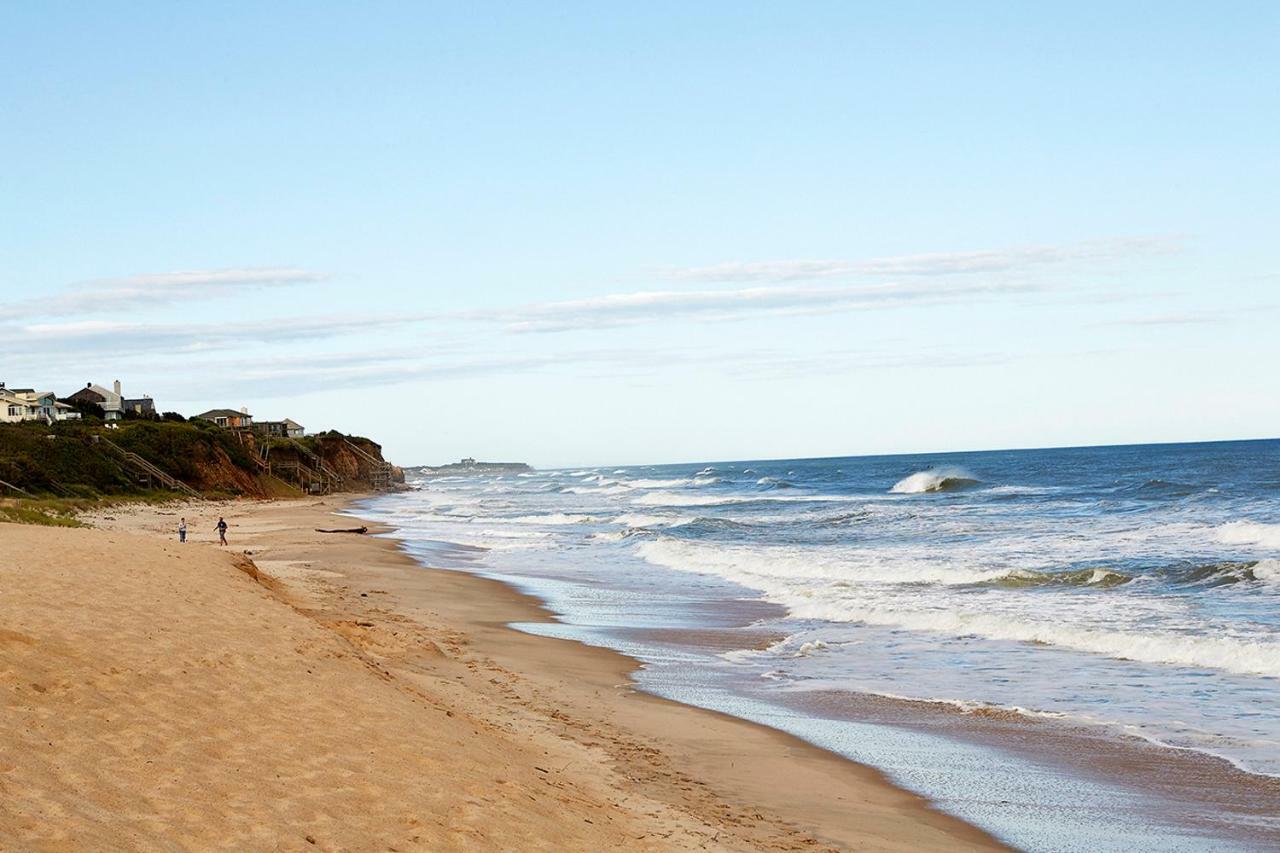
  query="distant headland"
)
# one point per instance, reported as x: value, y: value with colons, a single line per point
x: 471, y: 466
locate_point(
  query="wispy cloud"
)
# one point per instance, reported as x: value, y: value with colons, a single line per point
x: 158, y: 289
x: 354, y: 370
x: 932, y: 264
x: 1187, y: 318
x: 80, y: 336
x: 653, y: 306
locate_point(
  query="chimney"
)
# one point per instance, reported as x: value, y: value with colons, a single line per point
x: 116, y: 386
x: 244, y: 410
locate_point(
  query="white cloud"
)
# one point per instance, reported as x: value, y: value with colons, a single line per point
x: 932, y: 264
x: 652, y: 306
x: 159, y: 289
x: 135, y: 338
x: 1188, y: 318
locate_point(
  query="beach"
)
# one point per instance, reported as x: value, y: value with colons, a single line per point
x: 1073, y: 649
x: 300, y: 690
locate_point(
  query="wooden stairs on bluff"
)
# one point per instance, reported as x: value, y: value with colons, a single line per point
x: 145, y: 471
x: 379, y: 470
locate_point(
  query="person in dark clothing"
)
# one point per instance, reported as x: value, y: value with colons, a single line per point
x: 222, y: 531
x: 182, y: 530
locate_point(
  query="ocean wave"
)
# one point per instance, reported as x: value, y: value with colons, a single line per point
x: 660, y: 484
x: 594, y: 490
x: 775, y: 483
x: 1267, y: 571
x: 1025, y: 578
x: 661, y: 498
x: 553, y: 519
x: 943, y: 479
x: 712, y: 525
x: 771, y: 565
x: 637, y: 519
x: 1249, y: 533
x: 843, y: 519
x: 1213, y: 575
x: 1230, y: 654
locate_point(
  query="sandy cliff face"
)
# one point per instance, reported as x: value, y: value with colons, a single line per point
x: 216, y: 472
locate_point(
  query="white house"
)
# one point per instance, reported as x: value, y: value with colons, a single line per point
x: 26, y: 404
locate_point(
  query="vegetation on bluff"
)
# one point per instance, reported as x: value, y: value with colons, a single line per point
x: 85, y: 459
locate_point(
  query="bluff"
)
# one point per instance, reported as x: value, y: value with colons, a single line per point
x: 85, y: 460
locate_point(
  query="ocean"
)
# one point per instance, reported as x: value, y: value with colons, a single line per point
x: 1038, y: 640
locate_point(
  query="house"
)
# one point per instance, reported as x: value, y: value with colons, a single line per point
x: 229, y: 418
x: 140, y: 405
x: 26, y: 404
x: 280, y: 429
x: 111, y: 401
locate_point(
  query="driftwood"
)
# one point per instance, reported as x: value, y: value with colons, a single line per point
x: 345, y: 530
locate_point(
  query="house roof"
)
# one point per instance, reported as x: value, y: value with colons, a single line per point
x: 26, y: 394
x: 223, y: 413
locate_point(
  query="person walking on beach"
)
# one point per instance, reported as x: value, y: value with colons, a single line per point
x: 182, y: 530
x: 222, y: 531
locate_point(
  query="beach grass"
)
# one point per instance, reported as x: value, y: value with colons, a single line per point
x: 66, y: 512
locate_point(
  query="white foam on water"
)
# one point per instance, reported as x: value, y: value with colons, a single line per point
x: 1230, y: 654
x: 1267, y: 571
x: 660, y: 484
x: 824, y: 587
x: 1249, y: 533
x: 553, y: 519
x: 596, y: 490
x: 636, y: 519
x: 755, y: 567
x: 661, y: 498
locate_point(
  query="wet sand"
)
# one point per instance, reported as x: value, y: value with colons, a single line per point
x: 327, y: 693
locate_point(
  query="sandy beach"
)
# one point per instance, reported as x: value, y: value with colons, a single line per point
x: 300, y: 690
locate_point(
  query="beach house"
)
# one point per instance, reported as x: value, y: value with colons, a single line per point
x: 113, y: 402
x: 280, y: 429
x: 27, y: 404
x: 229, y: 418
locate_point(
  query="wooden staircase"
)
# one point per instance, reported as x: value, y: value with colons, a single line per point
x: 333, y: 480
x: 149, y: 472
x: 260, y: 454
x: 379, y: 470
x: 302, y: 476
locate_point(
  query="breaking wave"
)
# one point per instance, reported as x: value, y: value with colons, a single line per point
x: 1025, y: 578
x: 766, y: 567
x: 1231, y: 654
x: 934, y: 480
x: 1249, y: 533
x: 554, y: 519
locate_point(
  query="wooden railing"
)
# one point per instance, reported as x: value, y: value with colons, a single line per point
x: 153, y: 472
x: 379, y: 469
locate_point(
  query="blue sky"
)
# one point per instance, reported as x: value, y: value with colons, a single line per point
x: 577, y: 234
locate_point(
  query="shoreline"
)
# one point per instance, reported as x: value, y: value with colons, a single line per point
x: 676, y: 776
x: 613, y: 670
x: 1172, y: 792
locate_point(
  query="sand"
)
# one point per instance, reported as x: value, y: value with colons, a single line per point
x: 307, y: 691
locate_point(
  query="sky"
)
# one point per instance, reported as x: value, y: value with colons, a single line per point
x: 585, y: 233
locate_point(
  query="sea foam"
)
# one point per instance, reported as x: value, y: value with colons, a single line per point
x: 1249, y: 533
